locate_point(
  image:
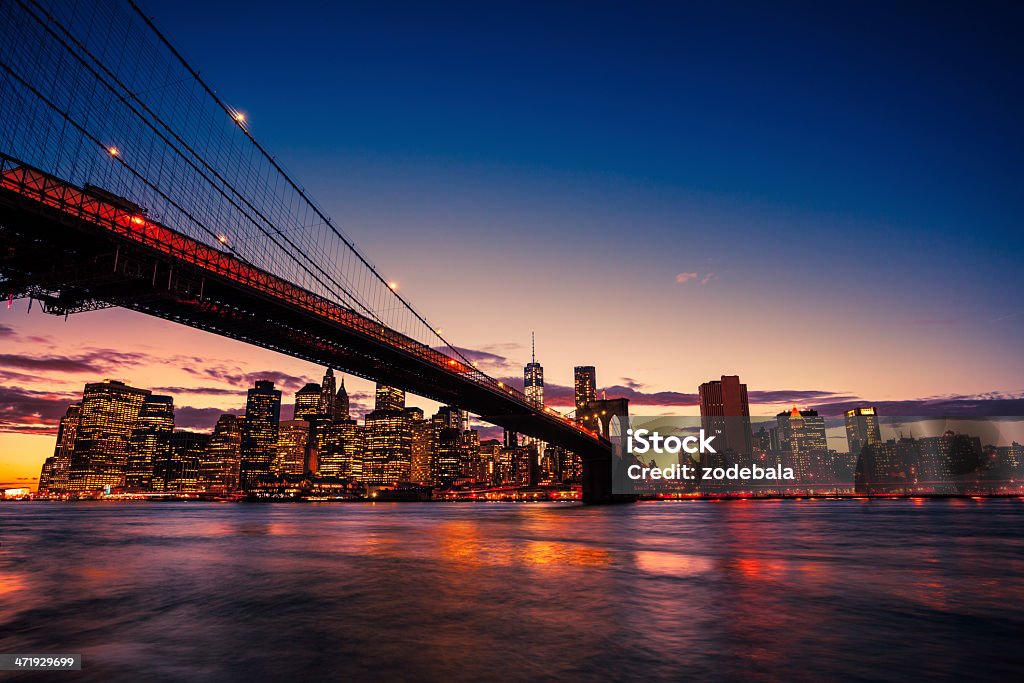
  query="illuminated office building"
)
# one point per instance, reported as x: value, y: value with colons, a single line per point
x: 292, y: 438
x: 178, y: 471
x: 219, y: 466
x: 725, y: 412
x: 470, y: 453
x: 802, y: 434
x: 45, y: 474
x: 388, y: 456
x: 389, y: 398
x: 862, y: 428
x: 533, y: 378
x: 60, y: 465
x: 341, y: 407
x: 150, y: 441
x: 341, y: 450
x: 585, y: 386
x: 448, y: 454
x: 108, y: 415
x: 259, y: 432
x: 307, y: 401
x: 421, y: 446
x: 328, y: 395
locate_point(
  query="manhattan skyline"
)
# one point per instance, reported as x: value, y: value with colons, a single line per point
x: 835, y: 230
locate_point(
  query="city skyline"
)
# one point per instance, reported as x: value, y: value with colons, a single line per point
x: 121, y: 439
x: 827, y: 265
x: 28, y: 435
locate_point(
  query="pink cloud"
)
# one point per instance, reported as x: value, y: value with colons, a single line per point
x: 683, y: 278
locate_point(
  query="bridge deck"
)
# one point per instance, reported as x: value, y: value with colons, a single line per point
x: 419, y: 368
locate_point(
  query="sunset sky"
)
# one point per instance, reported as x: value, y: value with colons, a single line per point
x: 824, y: 201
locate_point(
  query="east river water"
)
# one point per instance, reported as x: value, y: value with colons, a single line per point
x: 756, y: 590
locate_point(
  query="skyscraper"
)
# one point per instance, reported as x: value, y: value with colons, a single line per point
x: 259, y: 432
x: 307, y: 401
x: 292, y: 437
x: 802, y: 433
x: 421, y: 447
x: 341, y: 450
x: 388, y: 456
x: 447, y: 463
x: 389, y: 398
x: 862, y: 428
x: 341, y: 407
x: 533, y: 377
x: 65, y: 448
x: 150, y: 441
x: 725, y: 412
x: 218, y: 468
x: 179, y: 471
x: 109, y: 412
x: 328, y: 397
x: 585, y: 384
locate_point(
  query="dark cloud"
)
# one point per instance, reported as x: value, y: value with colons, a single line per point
x: 6, y: 330
x: 985, y: 405
x: 800, y: 397
x: 243, y: 380
x: 204, y: 391
x: 95, y: 361
x: 32, y: 412
x: 201, y: 419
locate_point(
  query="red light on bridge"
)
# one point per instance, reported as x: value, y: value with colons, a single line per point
x: 138, y: 220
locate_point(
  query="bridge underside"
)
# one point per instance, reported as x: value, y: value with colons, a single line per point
x: 71, y: 265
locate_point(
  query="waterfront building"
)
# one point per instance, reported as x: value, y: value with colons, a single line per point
x: 328, y: 396
x: 107, y: 418
x: 150, y: 441
x: 219, y: 466
x: 307, y: 401
x: 290, y: 456
x: 585, y: 386
x: 57, y: 473
x: 862, y: 428
x: 259, y: 432
x: 725, y: 412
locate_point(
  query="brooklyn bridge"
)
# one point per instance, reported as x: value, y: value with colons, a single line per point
x: 126, y: 181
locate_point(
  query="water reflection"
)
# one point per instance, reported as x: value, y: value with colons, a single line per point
x: 769, y: 590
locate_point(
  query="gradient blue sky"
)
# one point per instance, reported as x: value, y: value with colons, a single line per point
x: 821, y: 197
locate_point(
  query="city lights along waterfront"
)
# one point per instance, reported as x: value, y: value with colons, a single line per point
x: 120, y: 441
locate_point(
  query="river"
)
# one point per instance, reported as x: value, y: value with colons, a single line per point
x: 740, y: 590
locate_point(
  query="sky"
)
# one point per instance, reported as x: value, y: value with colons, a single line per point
x: 824, y: 198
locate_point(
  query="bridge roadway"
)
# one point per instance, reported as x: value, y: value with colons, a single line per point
x: 77, y: 249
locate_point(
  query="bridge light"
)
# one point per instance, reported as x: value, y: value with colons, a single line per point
x: 113, y: 151
x: 239, y: 116
x: 138, y: 220
x: 393, y: 285
x: 223, y: 239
